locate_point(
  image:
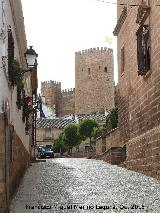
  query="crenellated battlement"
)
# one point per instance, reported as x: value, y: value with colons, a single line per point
x: 68, y: 91
x: 95, y: 50
x: 52, y: 83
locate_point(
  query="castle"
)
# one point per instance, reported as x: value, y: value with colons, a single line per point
x: 61, y: 101
x: 94, y: 85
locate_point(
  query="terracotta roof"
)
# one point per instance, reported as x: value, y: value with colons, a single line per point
x: 96, y: 117
x: 58, y: 123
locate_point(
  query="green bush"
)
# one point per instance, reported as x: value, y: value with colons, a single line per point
x: 112, y: 118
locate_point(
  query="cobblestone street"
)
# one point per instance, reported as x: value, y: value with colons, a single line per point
x: 58, y: 184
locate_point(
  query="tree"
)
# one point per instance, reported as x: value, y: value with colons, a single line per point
x: 86, y: 128
x: 112, y: 118
x: 58, y: 146
x: 97, y: 131
x: 71, y: 136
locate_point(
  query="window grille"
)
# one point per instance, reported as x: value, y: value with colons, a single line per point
x: 10, y: 46
x: 10, y: 50
x: 143, y: 49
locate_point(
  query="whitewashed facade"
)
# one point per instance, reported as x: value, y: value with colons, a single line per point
x: 11, y: 16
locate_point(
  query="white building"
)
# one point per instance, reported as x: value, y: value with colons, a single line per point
x: 15, y: 141
x: 12, y: 18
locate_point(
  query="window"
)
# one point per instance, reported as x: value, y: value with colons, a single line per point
x: 10, y: 53
x: 10, y: 47
x: 99, y: 67
x: 48, y: 134
x: 143, y: 49
x: 122, y: 60
x: 105, y: 69
x: 89, y: 71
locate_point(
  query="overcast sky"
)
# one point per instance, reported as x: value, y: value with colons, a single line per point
x: 58, y: 28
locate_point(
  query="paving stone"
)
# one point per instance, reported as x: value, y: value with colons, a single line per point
x: 93, y: 184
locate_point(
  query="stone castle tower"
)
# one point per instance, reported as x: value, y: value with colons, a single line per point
x: 94, y: 80
x: 51, y: 92
x: 63, y: 102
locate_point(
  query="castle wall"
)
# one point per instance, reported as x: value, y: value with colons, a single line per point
x: 94, y: 80
x: 63, y: 101
x: 51, y: 90
x: 67, y: 102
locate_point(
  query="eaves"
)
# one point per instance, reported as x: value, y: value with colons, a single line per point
x: 120, y: 22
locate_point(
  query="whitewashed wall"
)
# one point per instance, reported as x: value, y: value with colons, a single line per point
x: 7, y: 9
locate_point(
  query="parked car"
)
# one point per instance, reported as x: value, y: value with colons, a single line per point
x: 45, y: 152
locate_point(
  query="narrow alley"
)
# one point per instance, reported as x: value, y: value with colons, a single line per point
x: 84, y: 185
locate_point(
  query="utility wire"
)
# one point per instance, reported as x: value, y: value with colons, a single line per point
x: 131, y: 5
x: 108, y: 2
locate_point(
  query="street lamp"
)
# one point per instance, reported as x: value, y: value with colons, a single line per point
x: 31, y: 59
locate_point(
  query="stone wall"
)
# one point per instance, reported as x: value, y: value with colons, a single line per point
x: 139, y: 96
x: 19, y: 162
x: 62, y: 101
x: 51, y: 90
x: 14, y: 160
x: 100, y: 146
x: 113, y: 139
x: 143, y: 153
x: 115, y: 155
x: 109, y: 148
x: 94, y: 80
x: 110, y: 139
x: 67, y: 105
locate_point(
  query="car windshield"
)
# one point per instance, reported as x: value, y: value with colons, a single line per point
x: 44, y: 149
x: 48, y: 149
